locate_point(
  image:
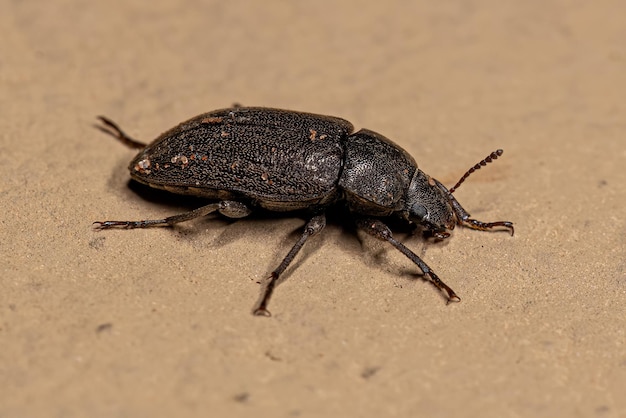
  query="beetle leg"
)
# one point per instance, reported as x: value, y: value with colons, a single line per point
x: 381, y: 231
x: 115, y: 131
x: 464, y: 217
x: 312, y: 227
x: 485, y: 226
x: 234, y: 209
x: 228, y: 208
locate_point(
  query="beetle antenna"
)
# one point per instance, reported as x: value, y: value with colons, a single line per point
x: 494, y: 155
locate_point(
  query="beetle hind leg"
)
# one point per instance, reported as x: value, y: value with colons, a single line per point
x: 229, y: 208
x: 312, y: 227
x: 111, y: 128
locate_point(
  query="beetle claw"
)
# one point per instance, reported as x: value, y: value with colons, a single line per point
x: 453, y: 298
x: 262, y: 312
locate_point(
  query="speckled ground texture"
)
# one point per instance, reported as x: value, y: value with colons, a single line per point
x: 158, y: 322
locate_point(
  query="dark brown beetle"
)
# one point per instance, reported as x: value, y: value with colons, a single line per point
x: 280, y: 160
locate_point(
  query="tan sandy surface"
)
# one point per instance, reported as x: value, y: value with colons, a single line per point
x: 158, y: 322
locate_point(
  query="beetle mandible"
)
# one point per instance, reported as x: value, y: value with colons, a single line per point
x: 246, y: 158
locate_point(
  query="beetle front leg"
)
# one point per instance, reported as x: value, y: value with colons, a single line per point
x: 464, y: 218
x: 229, y: 208
x: 313, y: 227
x: 485, y: 226
x: 381, y: 231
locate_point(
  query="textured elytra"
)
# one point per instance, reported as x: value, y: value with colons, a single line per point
x: 274, y: 157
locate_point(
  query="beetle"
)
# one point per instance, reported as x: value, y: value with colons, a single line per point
x: 247, y: 158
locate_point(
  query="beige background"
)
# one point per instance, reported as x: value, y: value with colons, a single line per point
x: 158, y: 323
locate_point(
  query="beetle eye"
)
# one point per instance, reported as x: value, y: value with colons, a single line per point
x: 419, y: 211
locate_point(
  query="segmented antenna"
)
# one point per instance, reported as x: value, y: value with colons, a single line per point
x: 493, y: 156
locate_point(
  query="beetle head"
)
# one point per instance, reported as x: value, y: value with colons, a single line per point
x: 428, y: 204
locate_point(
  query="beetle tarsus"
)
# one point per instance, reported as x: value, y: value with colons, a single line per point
x: 115, y: 131
x: 439, y: 284
x: 262, y: 312
x: 485, y: 226
x: 261, y: 309
x: 452, y: 296
x: 100, y: 225
x: 312, y: 227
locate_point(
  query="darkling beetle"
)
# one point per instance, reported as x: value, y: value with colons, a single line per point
x: 281, y: 161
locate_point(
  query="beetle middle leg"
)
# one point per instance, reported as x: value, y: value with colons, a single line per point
x: 312, y: 227
x: 381, y: 231
x: 229, y: 208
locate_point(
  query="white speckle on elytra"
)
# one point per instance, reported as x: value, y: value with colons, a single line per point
x: 180, y: 159
x: 143, y: 166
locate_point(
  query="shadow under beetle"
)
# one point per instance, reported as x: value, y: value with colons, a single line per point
x: 280, y: 160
